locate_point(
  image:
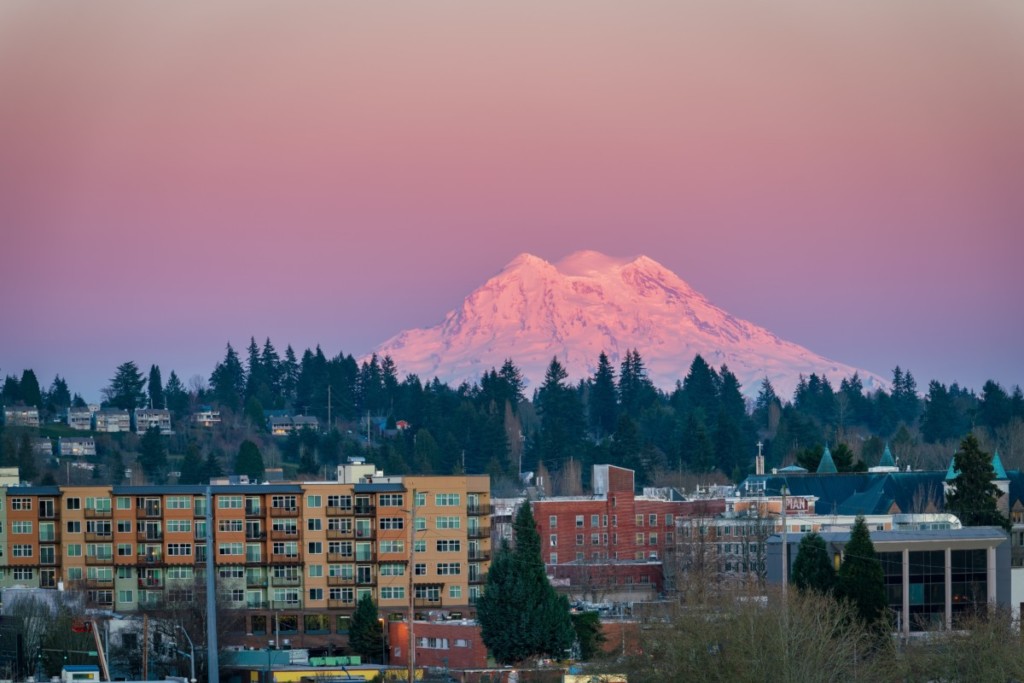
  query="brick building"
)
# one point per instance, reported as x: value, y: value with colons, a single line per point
x: 611, y: 542
x: 443, y: 644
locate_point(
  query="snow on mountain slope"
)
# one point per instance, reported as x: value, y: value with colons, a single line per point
x: 588, y: 303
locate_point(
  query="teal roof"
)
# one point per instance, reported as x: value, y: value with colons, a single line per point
x: 827, y: 464
x: 868, y: 493
x: 952, y: 472
x: 997, y: 465
x: 887, y: 460
x: 793, y: 468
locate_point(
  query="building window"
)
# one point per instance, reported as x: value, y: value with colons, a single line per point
x: 449, y: 568
x: 640, y: 538
x: 639, y: 520
x: 579, y: 521
x: 21, y: 527
x: 392, y: 569
x: 668, y: 520
x: 315, y: 547
x: 73, y: 503
x: 21, y: 503
x: 392, y: 523
x: 652, y: 520
x: 553, y: 540
x: 313, y: 501
x: 124, y: 503
x: 179, y: 526
x: 449, y: 545
x: 447, y: 499
x: 595, y: 539
x: 230, y: 549
x: 19, y: 550
x: 455, y: 592
x: 229, y: 502
x: 23, y: 574
x: 230, y: 525
x: 391, y: 500
x: 448, y: 522
x: 554, y: 558
x: 421, y: 569
x: 316, y: 593
x: 421, y: 499
x: 179, y: 549
x: 594, y: 520
x: 392, y: 593
x: 579, y: 539
x: 553, y: 521
x: 419, y: 546
x: 74, y: 527
x: 179, y: 502
x: 653, y: 540
x: 314, y: 524
x: 392, y: 546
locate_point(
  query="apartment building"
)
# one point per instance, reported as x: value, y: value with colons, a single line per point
x: 80, y: 418
x: 291, y: 558
x: 113, y: 420
x: 145, y: 418
x: 21, y: 416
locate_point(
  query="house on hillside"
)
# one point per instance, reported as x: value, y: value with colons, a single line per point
x: 21, y: 416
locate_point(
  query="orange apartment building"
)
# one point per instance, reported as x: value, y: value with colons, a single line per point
x: 292, y: 558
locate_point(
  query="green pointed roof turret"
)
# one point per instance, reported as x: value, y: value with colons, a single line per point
x: 952, y: 472
x: 997, y: 465
x: 827, y: 464
x: 887, y: 460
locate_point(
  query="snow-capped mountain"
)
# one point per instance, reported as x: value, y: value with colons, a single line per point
x: 588, y: 303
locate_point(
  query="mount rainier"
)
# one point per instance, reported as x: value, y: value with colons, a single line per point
x: 588, y: 303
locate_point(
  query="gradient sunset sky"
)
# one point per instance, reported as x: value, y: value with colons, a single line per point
x: 174, y: 176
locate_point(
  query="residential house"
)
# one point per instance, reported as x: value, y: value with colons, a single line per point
x: 113, y: 420
x: 206, y: 416
x: 21, y: 416
x: 76, y: 447
x: 145, y: 418
x: 80, y: 418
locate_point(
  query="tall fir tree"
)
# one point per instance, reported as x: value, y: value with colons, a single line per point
x: 812, y: 568
x: 176, y: 395
x: 125, y: 389
x: 520, y: 614
x: 974, y: 495
x: 561, y: 414
x: 861, y: 580
x: 153, y: 456
x: 228, y: 381
x: 29, y: 390
x: 155, y: 388
x: 249, y: 461
x: 603, y: 408
x: 365, y: 633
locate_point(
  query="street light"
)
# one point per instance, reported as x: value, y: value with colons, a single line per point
x: 191, y: 652
x: 383, y: 640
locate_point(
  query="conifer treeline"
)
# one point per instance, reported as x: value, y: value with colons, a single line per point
x: 615, y: 416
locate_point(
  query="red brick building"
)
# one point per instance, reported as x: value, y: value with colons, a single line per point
x: 612, y: 541
x: 444, y: 644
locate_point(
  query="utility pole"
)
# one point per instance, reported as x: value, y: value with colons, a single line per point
x: 785, y: 546
x: 212, y: 656
x: 328, y: 407
x: 412, y: 591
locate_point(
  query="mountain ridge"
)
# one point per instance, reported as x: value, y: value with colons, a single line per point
x: 586, y: 303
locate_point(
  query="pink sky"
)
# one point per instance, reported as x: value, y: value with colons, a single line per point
x: 174, y: 176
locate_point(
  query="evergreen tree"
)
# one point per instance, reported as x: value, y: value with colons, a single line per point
x: 602, y: 406
x: 365, y: 633
x: 700, y: 389
x: 697, y: 449
x: 155, y: 388
x: 812, y: 568
x: 29, y: 391
x: 904, y: 395
x: 125, y: 389
x: 994, y: 410
x: 512, y: 378
x: 589, y: 635
x: 176, y: 395
x: 11, y: 393
x: 974, y: 494
x: 191, y: 465
x: 27, y: 469
x: 561, y: 416
x: 228, y: 381
x: 860, y: 579
x: 249, y: 461
x: 270, y: 364
x: 289, y: 374
x: 940, y: 420
x: 636, y: 392
x: 211, y: 467
x: 625, y: 448
x: 153, y: 456
x: 520, y: 614
x: 58, y: 398
x: 766, y: 403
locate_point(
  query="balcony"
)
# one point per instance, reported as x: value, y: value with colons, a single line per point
x: 427, y: 602
x: 255, y: 535
x: 286, y: 558
x: 252, y: 560
x: 49, y: 514
x: 366, y: 534
x: 49, y: 538
x: 339, y: 557
x: 334, y: 534
x: 99, y: 583
x: 93, y: 513
x: 339, y: 604
x: 479, y: 510
x: 199, y: 512
x: 99, y: 559
x: 253, y: 510
x: 150, y: 583
x: 479, y: 556
x: 94, y: 537
x: 334, y: 511
x: 149, y: 510
x: 284, y: 512
x: 256, y: 604
x: 367, y: 581
x: 150, y: 536
x: 365, y: 510
x: 480, y: 532
x: 478, y: 579
x: 255, y: 581
x: 149, y: 560
x: 285, y: 580
x: 284, y: 534
x: 341, y: 580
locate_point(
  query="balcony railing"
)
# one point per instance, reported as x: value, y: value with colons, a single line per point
x: 479, y: 556
x: 284, y: 512
x: 334, y: 511
x: 480, y: 532
x: 149, y: 560
x: 253, y: 510
x: 95, y: 537
x: 365, y: 510
x: 365, y: 534
x: 151, y: 536
x: 335, y: 534
x: 284, y: 534
x: 93, y: 513
x: 99, y: 583
x: 339, y: 604
x: 49, y: 514
x: 286, y: 558
x: 253, y: 560
x: 366, y: 581
x: 479, y: 578
x: 426, y: 602
x: 477, y: 510
x: 151, y: 583
x: 255, y: 581
x: 99, y: 559
x: 149, y: 511
x: 285, y: 580
x: 255, y: 535
x: 341, y: 580
x: 339, y: 557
